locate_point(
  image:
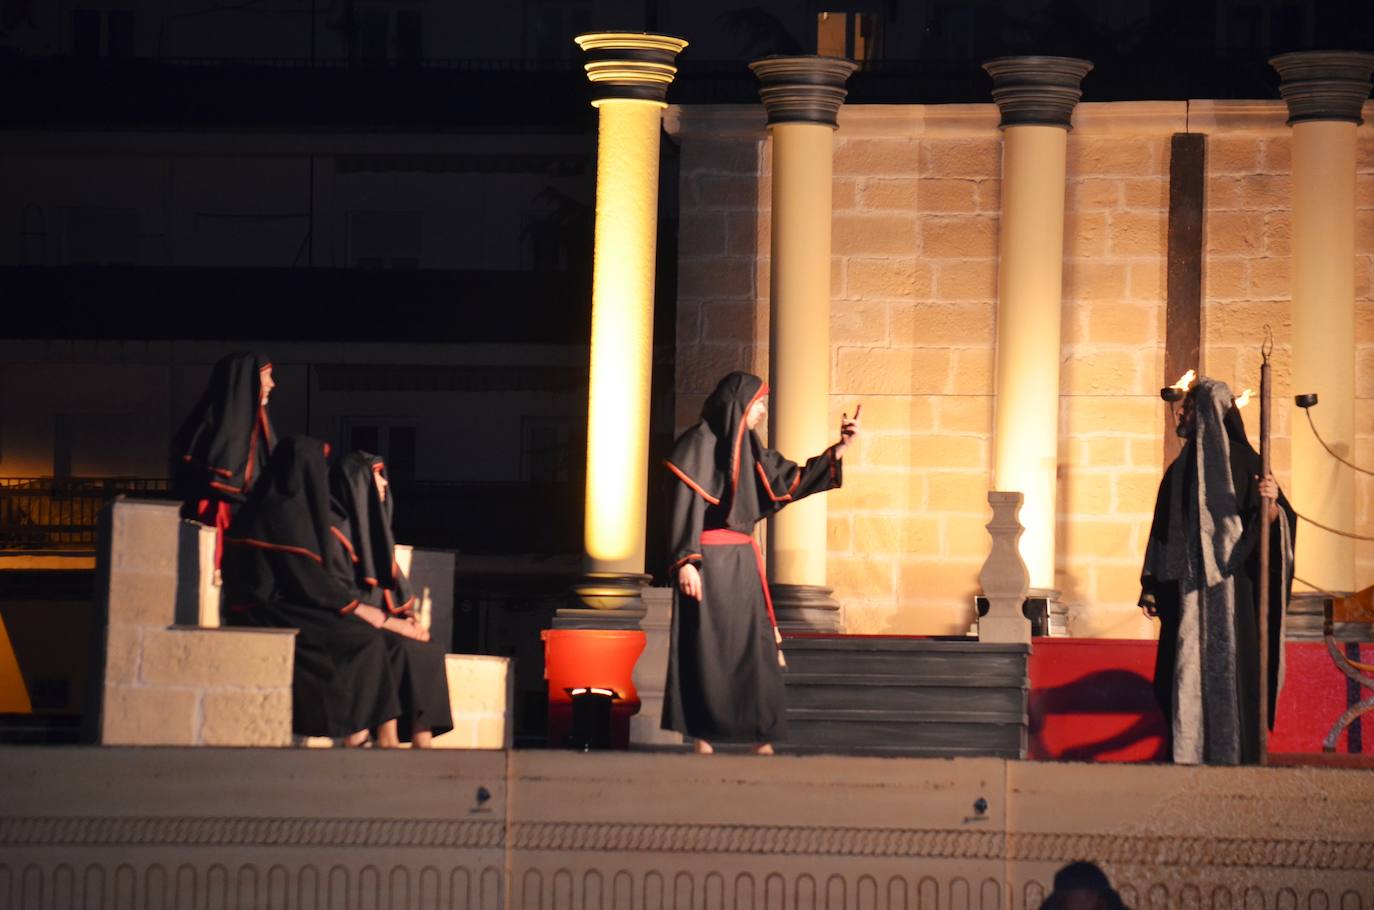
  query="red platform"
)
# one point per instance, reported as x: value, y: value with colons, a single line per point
x: 1091, y: 700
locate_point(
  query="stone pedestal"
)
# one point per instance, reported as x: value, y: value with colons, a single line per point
x: 802, y: 96
x: 1004, y: 577
x: 1036, y: 96
x: 651, y: 671
x: 1325, y: 92
x: 604, y: 600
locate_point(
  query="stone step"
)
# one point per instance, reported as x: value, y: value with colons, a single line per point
x: 1001, y: 666
x: 983, y: 715
x: 906, y: 698
x: 875, y: 732
x: 808, y: 677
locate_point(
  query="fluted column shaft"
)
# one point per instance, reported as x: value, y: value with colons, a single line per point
x: 1325, y: 92
x: 1036, y: 96
x: 802, y: 96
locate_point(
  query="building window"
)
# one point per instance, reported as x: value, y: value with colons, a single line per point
x: 848, y: 34
x: 33, y: 236
x: 394, y: 440
x: 556, y: 22
x: 552, y: 449
x: 98, y: 236
x: 384, y: 34
x: 385, y: 240
x: 102, y: 33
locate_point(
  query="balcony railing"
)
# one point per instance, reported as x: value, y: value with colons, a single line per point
x: 60, y: 513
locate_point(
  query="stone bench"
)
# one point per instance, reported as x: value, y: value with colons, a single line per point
x: 173, y: 676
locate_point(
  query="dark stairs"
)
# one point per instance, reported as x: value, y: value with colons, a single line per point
x: 860, y: 695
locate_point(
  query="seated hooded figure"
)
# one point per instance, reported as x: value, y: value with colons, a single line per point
x: 285, y: 566
x: 221, y: 451
x: 1201, y: 578
x: 363, y: 501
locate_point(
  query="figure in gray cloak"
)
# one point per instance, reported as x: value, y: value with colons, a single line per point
x: 1201, y: 579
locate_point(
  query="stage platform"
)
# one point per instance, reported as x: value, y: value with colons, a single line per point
x: 285, y: 828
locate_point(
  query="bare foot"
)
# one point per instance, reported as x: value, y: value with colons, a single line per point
x: 422, y: 739
x: 763, y: 749
x: 387, y: 737
x: 702, y: 747
x: 354, y: 740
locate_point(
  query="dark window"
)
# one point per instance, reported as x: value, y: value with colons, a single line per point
x: 364, y: 439
x: 373, y: 32
x: 119, y: 42
x: 409, y: 37
x: 85, y: 33
x: 397, y: 443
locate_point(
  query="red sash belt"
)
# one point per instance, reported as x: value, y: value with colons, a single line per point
x: 724, y: 536
x: 727, y: 537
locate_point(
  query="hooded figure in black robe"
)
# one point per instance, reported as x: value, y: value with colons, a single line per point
x: 725, y: 664
x: 1201, y: 577
x: 285, y: 566
x: 222, y: 448
x: 376, y: 579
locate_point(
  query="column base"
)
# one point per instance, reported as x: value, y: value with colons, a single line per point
x: 1048, y: 617
x: 805, y: 608
x: 651, y: 672
x: 604, y: 600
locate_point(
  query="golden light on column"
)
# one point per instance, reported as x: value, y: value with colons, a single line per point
x: 1036, y: 96
x: 802, y: 96
x: 1325, y: 92
x: 630, y: 74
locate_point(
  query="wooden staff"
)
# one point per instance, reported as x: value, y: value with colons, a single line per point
x: 1265, y: 505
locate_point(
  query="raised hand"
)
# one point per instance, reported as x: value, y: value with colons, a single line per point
x: 849, y: 428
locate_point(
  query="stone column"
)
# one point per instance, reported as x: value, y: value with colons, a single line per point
x: 1036, y: 96
x: 1325, y: 92
x: 802, y: 96
x: 630, y: 74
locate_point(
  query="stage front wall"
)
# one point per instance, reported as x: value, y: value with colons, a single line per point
x: 209, y: 828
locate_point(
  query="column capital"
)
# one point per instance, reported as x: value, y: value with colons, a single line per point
x: 806, y: 89
x: 1037, y: 90
x: 630, y: 65
x: 1324, y: 85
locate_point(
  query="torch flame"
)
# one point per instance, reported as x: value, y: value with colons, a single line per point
x: 1244, y: 398
x: 1185, y: 380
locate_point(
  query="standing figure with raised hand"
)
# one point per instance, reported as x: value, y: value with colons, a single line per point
x: 364, y: 503
x: 725, y: 660
x: 1201, y: 577
x: 222, y: 448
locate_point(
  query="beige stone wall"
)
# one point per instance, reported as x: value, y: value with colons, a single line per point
x: 169, y: 685
x: 914, y: 272
x: 198, y: 828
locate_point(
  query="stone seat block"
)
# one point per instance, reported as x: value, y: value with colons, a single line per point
x: 479, y: 693
x: 195, y: 656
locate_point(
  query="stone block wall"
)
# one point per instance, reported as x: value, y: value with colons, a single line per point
x: 176, y: 685
x: 480, y: 699
x: 916, y: 203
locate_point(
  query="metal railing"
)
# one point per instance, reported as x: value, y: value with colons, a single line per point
x: 61, y: 513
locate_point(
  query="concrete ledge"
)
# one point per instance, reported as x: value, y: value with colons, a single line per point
x: 210, y: 827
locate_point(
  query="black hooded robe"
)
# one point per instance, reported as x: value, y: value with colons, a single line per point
x: 418, y: 666
x: 282, y: 567
x: 222, y: 448
x: 1164, y: 594
x: 724, y: 680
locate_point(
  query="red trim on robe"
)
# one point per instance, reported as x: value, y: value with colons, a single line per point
x: 682, y: 476
x: 347, y: 546
x: 264, y: 545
